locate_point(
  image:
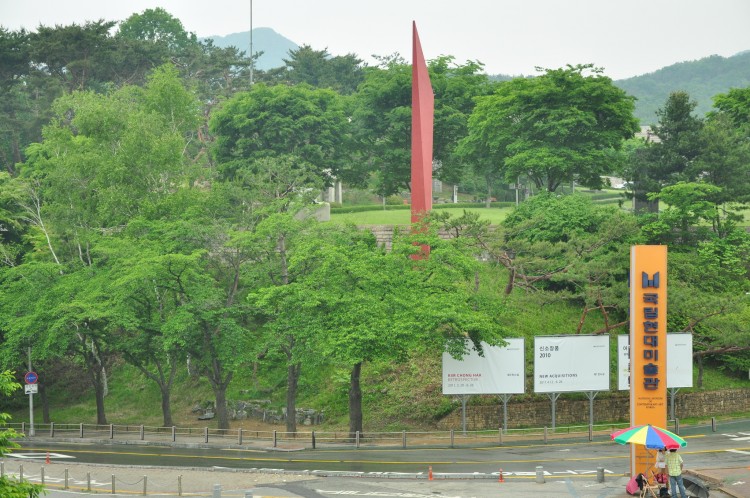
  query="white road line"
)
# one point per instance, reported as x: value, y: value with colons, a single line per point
x: 34, y: 456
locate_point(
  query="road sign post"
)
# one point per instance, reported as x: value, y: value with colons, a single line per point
x: 31, y: 378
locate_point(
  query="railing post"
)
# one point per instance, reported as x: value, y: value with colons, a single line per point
x: 111, y: 431
x: 205, y: 435
x: 20, y: 473
x: 145, y: 484
x: 113, y: 484
x: 65, y: 485
x: 313, y: 439
x: 239, y: 436
x: 80, y: 429
x: 179, y: 485
x: 713, y: 424
x: 23, y: 427
x: 453, y: 436
x: 540, y: 474
x: 356, y: 439
x: 174, y: 433
x: 403, y: 439
x: 142, y: 432
x: 274, y: 438
x: 545, y: 435
x: 88, y: 481
x: 677, y: 426
x: 52, y: 429
x: 41, y: 471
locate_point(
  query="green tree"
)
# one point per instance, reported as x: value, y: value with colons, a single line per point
x: 159, y: 27
x: 304, y: 124
x: 724, y: 159
x: 11, y: 488
x: 317, y: 68
x: 151, y: 286
x: 679, y: 139
x: 554, y: 128
x: 15, y: 65
x: 277, y: 302
x: 353, y: 302
x: 672, y: 157
x: 382, y: 118
x: 104, y: 160
x: 735, y: 104
x: 72, y: 54
x: 560, y: 248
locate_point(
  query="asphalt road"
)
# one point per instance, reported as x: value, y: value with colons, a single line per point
x: 705, y: 448
x: 569, y: 466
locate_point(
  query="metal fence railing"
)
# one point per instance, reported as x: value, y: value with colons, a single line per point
x: 314, y: 439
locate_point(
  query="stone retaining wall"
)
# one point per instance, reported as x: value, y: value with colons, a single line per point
x: 575, y: 412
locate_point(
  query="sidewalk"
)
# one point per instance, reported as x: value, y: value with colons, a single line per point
x: 733, y: 482
x: 129, y: 480
x: 85, y: 479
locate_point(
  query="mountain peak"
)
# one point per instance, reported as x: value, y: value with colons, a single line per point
x: 275, y: 47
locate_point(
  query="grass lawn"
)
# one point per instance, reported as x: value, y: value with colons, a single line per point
x: 403, y: 216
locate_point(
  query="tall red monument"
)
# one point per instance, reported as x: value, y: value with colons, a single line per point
x: 422, y: 119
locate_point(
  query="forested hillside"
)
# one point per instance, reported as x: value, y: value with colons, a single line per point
x: 701, y: 79
x: 156, y: 217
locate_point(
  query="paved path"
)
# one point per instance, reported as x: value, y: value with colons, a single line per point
x: 733, y: 481
x: 194, y: 482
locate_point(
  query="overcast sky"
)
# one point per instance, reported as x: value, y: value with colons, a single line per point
x: 626, y: 38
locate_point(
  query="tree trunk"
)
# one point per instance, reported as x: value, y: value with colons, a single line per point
x: 164, y: 381
x: 166, y: 405
x: 222, y: 416
x: 101, y: 417
x: 355, y: 402
x: 95, y: 370
x: 292, y: 379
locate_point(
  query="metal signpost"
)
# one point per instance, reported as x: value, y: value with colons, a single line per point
x: 31, y: 379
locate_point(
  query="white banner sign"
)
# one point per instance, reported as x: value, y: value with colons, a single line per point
x: 623, y: 362
x: 499, y: 371
x: 679, y: 361
x: 571, y: 363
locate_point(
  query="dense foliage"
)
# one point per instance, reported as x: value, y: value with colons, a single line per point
x: 157, y: 210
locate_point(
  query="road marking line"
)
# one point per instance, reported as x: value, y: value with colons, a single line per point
x: 41, y: 456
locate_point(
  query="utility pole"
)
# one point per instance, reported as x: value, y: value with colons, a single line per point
x: 252, y: 62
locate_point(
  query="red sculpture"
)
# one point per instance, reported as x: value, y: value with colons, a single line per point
x: 422, y: 118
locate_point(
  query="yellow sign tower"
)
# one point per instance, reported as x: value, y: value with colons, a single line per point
x: 648, y: 345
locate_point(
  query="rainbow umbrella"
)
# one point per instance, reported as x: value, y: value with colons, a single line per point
x: 649, y: 436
